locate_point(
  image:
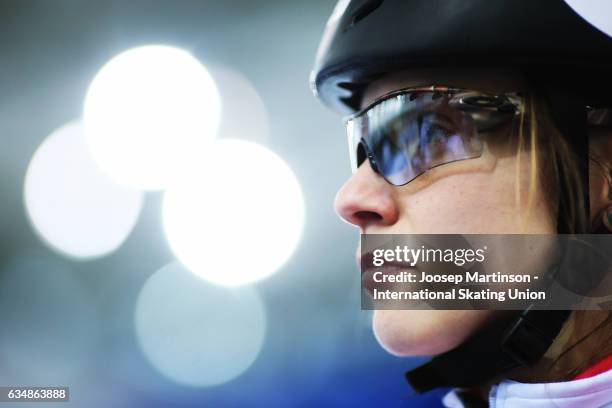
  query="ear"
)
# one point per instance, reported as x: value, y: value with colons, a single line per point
x: 600, y: 178
x: 606, y: 220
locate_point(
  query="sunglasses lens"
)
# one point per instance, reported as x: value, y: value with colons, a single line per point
x: 362, y: 155
x: 394, y: 146
x: 407, y: 136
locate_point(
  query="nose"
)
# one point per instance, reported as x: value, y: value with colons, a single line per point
x: 366, y: 200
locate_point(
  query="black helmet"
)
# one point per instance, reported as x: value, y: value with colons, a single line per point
x: 365, y: 39
x: 546, y: 41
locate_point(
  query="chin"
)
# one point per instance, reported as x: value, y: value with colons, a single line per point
x: 425, y: 332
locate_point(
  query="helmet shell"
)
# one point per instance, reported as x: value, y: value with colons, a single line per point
x: 365, y: 39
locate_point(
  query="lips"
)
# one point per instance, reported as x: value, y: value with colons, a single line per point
x: 366, y: 265
x: 368, y: 282
x: 367, y: 275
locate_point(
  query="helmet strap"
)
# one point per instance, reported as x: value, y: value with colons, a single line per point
x: 484, y: 358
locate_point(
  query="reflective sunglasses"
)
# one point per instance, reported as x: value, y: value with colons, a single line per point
x: 407, y: 132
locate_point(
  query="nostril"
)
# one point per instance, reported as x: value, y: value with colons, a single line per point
x: 367, y: 216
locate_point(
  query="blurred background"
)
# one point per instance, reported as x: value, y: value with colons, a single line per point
x: 167, y: 227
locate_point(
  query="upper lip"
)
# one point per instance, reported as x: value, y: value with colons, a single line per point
x: 365, y: 262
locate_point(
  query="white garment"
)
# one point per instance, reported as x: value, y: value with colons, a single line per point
x: 592, y: 392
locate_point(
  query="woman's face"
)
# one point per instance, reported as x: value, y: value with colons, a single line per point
x: 475, y: 196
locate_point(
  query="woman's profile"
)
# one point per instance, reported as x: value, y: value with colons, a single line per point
x: 479, y: 117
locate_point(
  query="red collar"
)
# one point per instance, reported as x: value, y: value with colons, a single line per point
x: 601, y: 366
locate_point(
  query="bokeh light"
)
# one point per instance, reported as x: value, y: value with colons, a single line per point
x: 49, y: 325
x: 244, y: 112
x: 195, y: 333
x: 148, y: 111
x: 318, y: 349
x: 74, y: 207
x: 238, y: 217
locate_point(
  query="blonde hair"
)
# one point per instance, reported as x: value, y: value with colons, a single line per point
x: 553, y: 164
x: 553, y: 160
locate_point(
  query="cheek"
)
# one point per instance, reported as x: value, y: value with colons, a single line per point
x: 459, y: 200
x: 478, y: 202
x: 459, y: 204
x: 486, y: 200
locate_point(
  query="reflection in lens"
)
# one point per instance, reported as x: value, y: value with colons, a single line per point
x: 408, y: 136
